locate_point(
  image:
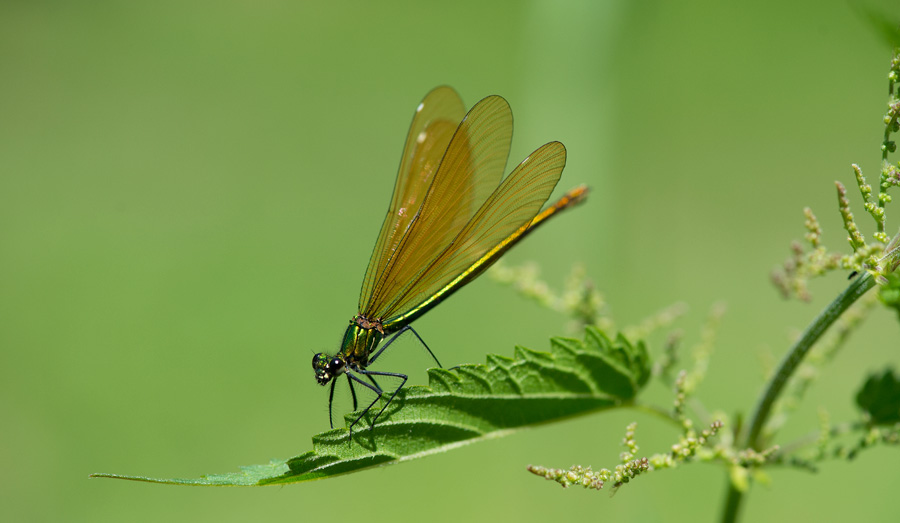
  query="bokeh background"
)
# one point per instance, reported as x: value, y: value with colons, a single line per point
x: 190, y: 191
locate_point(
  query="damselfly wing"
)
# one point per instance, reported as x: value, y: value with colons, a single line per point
x: 450, y: 218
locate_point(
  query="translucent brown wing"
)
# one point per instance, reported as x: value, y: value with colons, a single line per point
x: 433, y: 125
x: 470, y: 170
x: 501, y: 220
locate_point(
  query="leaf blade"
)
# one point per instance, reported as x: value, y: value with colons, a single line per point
x: 461, y: 406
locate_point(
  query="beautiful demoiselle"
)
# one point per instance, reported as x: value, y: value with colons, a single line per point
x: 449, y: 219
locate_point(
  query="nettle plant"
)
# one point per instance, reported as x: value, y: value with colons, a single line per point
x: 611, y: 366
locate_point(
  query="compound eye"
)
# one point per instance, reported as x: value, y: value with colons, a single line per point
x: 335, y: 363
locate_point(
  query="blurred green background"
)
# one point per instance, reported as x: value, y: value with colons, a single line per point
x: 190, y: 191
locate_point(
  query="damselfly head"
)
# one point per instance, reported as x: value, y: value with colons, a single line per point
x: 326, y: 367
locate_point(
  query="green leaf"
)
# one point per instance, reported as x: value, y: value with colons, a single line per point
x: 890, y: 294
x: 880, y: 397
x: 463, y: 405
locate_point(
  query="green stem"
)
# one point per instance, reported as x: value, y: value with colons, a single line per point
x: 659, y: 412
x: 786, y: 369
x: 732, y: 503
x: 801, y: 347
x: 813, y: 437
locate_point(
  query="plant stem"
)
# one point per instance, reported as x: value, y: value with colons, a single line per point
x: 786, y: 368
x: 732, y: 503
x: 801, y: 347
x: 659, y: 412
x: 836, y: 430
